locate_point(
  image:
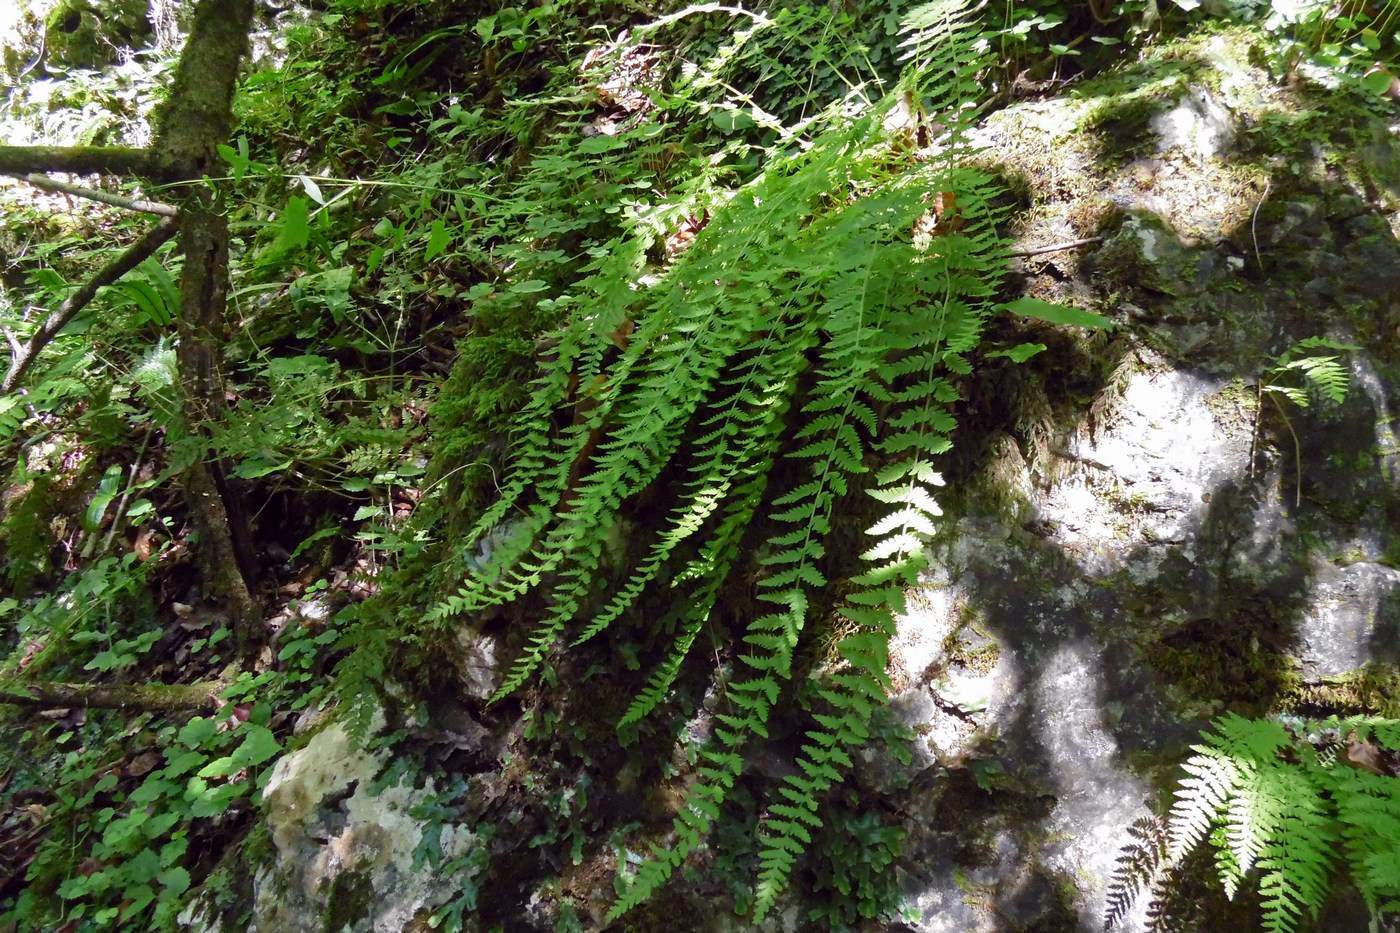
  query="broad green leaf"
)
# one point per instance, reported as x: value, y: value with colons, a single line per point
x: 175, y: 880
x: 259, y: 744
x: 312, y: 189
x: 295, y: 231
x: 238, y: 160
x: 146, y: 298
x: 1019, y: 353
x: 594, y: 145
x: 108, y: 660
x: 438, y: 238
x: 143, y: 866
x: 198, y: 731
x: 1377, y: 83
x: 180, y: 763
x: 211, y: 801
x: 219, y: 768
x: 729, y: 121
x: 106, y: 491
x: 255, y: 467
x: 1056, y: 314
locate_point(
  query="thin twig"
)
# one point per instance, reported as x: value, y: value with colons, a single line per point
x: 704, y: 8
x: 1297, y: 452
x: 136, y: 254
x: 12, y: 340
x: 1254, y: 431
x: 105, y: 197
x: 1253, y: 235
x: 120, y: 510
x: 1057, y: 247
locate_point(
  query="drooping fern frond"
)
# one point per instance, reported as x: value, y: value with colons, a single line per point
x: 1278, y: 803
x: 896, y: 318
x: 815, y: 323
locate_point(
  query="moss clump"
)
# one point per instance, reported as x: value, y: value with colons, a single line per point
x: 88, y: 34
x: 348, y: 901
x: 971, y: 648
x: 1221, y: 662
x: 1236, y: 403
x: 1373, y: 690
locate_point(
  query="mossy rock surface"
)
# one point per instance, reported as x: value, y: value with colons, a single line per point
x: 94, y: 33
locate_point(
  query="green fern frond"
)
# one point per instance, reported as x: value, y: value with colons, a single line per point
x: 1283, y: 799
x: 828, y: 278
x: 1214, y: 779
x: 1368, y: 809
x: 1322, y: 375
x: 1295, y: 859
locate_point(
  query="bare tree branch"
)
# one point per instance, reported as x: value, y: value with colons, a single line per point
x: 76, y: 160
x: 1041, y: 250
x: 133, y: 257
x: 155, y: 698
x: 106, y: 197
x: 16, y: 348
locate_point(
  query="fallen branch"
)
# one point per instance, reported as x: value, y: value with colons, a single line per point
x: 106, y: 197
x: 1036, y: 251
x: 137, y: 253
x: 153, y: 698
x: 75, y: 160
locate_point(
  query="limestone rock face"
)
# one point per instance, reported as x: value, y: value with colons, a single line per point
x: 353, y: 848
x: 1179, y: 542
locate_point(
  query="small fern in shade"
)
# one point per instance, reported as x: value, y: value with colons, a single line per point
x: 1321, y: 375
x: 1282, y: 806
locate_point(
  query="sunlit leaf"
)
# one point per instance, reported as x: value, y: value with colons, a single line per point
x: 1056, y: 314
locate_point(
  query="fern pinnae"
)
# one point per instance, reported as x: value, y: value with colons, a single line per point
x: 543, y: 462
x: 1295, y: 860
x: 1368, y: 809
x: 1140, y: 867
x: 1251, y: 817
x: 782, y: 838
x: 744, y: 429
x: 538, y: 457
x: 855, y: 692
x: 1213, y: 779
x: 712, y: 567
x: 671, y: 380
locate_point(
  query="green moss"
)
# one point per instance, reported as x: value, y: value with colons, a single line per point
x: 1123, y: 126
x: 1223, y: 663
x: 258, y: 848
x: 1236, y: 401
x: 89, y: 33
x: 977, y: 658
x: 347, y: 901
x: 1373, y: 690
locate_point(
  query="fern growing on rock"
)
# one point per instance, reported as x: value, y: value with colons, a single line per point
x: 1280, y: 805
x: 814, y: 323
